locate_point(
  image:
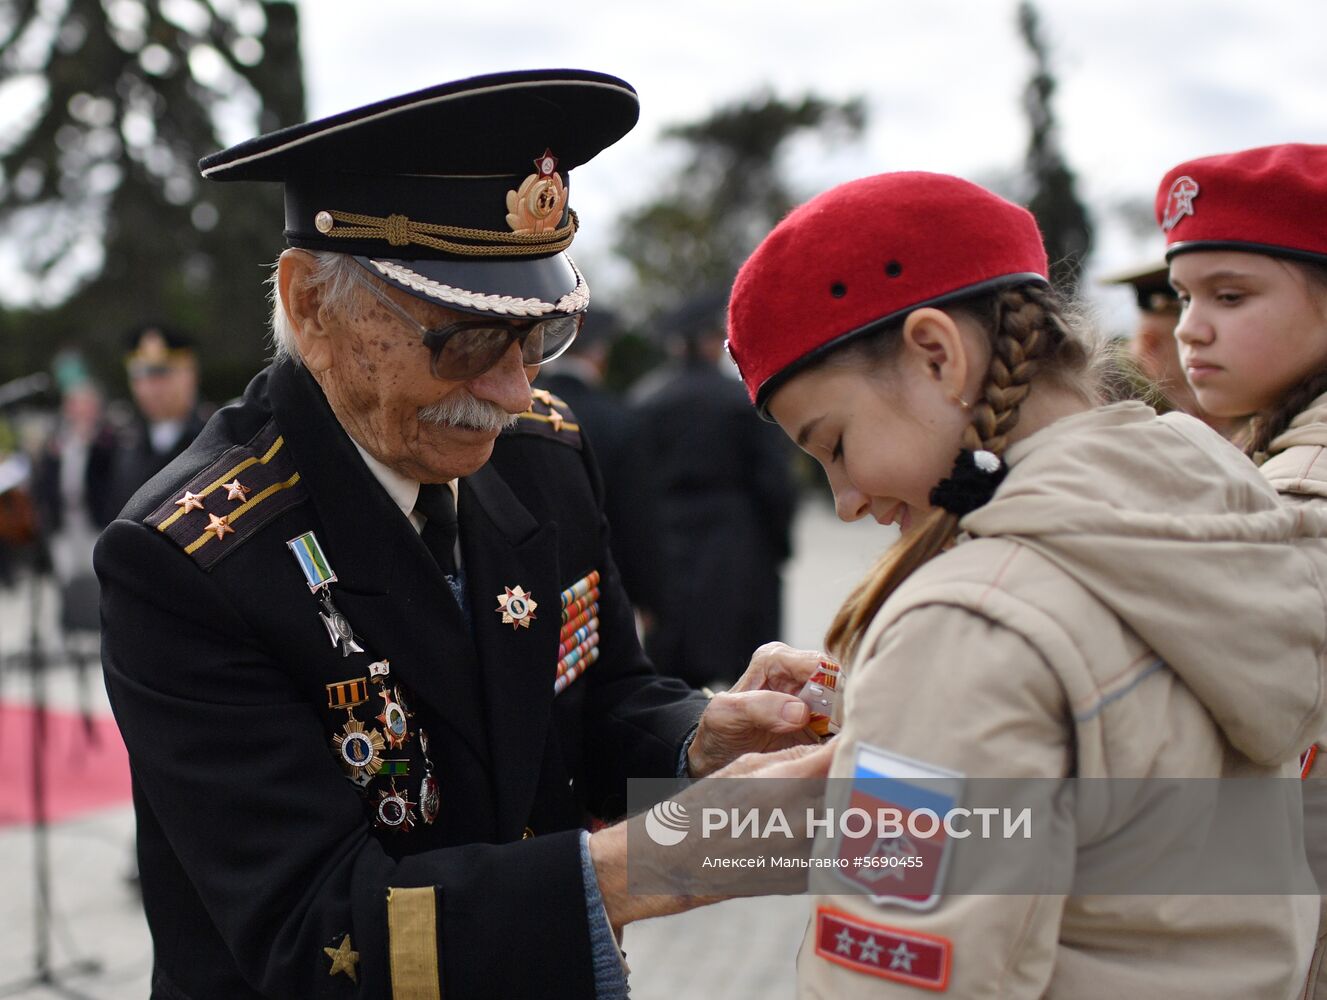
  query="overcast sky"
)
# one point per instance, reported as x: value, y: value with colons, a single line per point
x: 1144, y: 85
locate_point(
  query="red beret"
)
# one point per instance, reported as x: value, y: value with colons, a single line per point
x: 1269, y: 200
x: 860, y: 256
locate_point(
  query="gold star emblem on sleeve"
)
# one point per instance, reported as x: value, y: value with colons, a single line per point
x: 236, y: 490
x: 343, y: 959
x: 190, y: 501
x: 219, y: 525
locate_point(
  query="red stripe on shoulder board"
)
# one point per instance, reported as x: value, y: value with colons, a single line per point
x: 904, y: 956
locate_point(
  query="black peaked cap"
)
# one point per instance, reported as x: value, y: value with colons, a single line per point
x: 447, y: 192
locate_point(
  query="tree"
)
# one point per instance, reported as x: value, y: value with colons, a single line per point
x: 1063, y: 219
x: 99, y: 187
x: 728, y: 194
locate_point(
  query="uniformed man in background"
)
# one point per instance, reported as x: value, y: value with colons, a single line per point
x: 364, y: 639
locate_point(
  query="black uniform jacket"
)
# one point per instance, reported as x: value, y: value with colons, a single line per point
x: 259, y: 854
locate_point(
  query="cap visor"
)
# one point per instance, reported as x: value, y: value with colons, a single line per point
x: 545, y: 286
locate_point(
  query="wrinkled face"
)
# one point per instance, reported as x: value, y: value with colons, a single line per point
x: 883, y: 439
x: 1252, y: 327
x: 381, y: 389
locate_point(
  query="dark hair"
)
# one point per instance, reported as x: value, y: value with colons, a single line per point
x: 1031, y: 338
x: 1264, y: 428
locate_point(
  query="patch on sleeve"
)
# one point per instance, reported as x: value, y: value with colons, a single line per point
x: 921, y: 960
x: 903, y: 861
x: 548, y: 416
x: 226, y: 503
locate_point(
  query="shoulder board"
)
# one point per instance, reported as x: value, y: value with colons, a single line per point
x: 212, y: 514
x: 548, y: 416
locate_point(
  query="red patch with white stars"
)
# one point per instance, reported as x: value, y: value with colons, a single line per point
x: 920, y: 960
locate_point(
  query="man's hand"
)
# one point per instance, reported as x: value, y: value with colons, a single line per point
x: 760, y: 712
x: 608, y: 847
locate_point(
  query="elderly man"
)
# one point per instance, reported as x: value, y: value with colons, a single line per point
x: 365, y: 639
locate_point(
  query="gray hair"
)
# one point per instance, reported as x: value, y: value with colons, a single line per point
x: 334, y: 273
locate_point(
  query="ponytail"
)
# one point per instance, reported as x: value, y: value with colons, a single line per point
x: 1029, y: 334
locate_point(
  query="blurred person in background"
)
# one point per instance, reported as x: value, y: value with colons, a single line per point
x: 1152, y: 344
x: 162, y: 367
x: 723, y: 503
x: 73, y: 479
x: 577, y: 378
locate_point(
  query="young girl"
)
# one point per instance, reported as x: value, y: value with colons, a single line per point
x: 1247, y: 245
x: 1046, y: 613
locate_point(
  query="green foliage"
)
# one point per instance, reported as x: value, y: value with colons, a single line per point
x: 99, y: 184
x: 728, y: 193
x: 1064, y: 220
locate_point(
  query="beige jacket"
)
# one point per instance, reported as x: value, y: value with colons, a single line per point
x: 1105, y: 618
x: 1297, y: 467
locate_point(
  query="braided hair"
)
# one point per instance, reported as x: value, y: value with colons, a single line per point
x: 1030, y: 337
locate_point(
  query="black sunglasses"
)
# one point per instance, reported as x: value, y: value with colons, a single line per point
x: 466, y: 349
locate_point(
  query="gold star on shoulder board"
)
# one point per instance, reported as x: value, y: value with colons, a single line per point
x: 343, y: 959
x: 543, y: 396
x: 235, y: 490
x: 190, y: 501
x: 555, y: 418
x: 219, y: 525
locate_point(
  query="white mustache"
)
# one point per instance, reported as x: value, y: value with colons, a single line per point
x: 463, y: 410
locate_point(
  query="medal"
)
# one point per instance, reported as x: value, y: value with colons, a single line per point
x: 338, y: 627
x: 430, y: 795
x: 430, y: 798
x: 393, y: 719
x: 517, y: 607
x: 309, y: 554
x: 395, y: 810
x: 360, y: 751
x: 379, y: 669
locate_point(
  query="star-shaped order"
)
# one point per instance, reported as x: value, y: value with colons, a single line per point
x: 190, y: 501
x: 546, y: 164
x: 343, y: 959
x: 843, y: 942
x: 517, y: 607
x: 219, y: 525
x: 235, y: 490
x: 870, y: 949
x: 900, y: 957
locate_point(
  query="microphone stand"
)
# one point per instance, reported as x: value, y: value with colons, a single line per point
x: 44, y: 974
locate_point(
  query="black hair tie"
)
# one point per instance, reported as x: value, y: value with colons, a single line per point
x: 972, y: 483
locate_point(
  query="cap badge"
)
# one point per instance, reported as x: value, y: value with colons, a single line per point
x: 1179, y: 201
x: 517, y: 607
x: 537, y: 206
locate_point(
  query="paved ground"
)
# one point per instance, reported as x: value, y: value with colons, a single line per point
x: 739, y: 950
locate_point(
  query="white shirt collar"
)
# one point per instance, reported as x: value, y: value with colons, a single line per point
x: 403, y: 491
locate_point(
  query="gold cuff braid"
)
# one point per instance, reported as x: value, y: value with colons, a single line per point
x: 400, y: 230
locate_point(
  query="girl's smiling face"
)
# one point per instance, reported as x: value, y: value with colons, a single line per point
x: 887, y: 432
x: 1252, y: 327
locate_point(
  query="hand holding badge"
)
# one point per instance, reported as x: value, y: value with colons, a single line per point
x: 823, y: 695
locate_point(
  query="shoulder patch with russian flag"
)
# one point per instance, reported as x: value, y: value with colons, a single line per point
x: 921, y: 960
x: 917, y: 796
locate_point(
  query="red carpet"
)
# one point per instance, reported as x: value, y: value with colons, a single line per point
x: 83, y: 772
